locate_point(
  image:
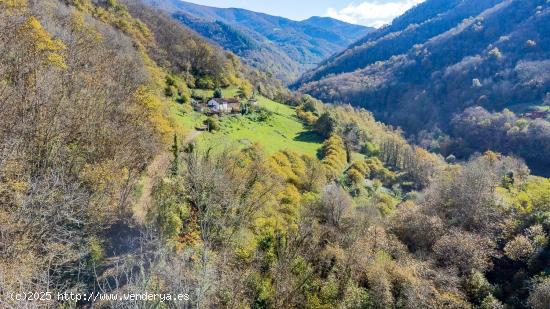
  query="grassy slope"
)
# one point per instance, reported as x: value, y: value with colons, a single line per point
x: 282, y: 131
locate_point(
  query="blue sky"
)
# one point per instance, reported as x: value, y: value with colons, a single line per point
x: 365, y: 12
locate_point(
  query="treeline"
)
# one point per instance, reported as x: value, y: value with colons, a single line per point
x: 476, y: 129
x: 201, y: 64
x: 357, y: 132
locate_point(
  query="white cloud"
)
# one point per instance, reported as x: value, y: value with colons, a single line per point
x: 374, y: 13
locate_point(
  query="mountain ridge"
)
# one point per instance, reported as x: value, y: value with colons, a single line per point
x: 288, y: 48
x: 415, y: 26
x: 496, y: 57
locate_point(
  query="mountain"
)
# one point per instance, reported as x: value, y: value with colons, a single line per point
x: 443, y: 57
x: 416, y: 26
x: 282, y: 47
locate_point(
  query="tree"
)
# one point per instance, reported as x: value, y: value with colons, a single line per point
x: 245, y: 90
x: 370, y: 149
x: 539, y: 298
x: 218, y: 93
x: 468, y: 252
x: 309, y: 104
x: 175, y: 154
x: 212, y: 123
x: 334, y: 155
x: 519, y: 249
x: 326, y: 125
x: 333, y: 207
x: 353, y: 137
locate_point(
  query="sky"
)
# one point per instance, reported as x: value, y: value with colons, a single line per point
x: 374, y: 13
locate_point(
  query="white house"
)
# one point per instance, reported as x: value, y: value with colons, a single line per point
x: 223, y: 105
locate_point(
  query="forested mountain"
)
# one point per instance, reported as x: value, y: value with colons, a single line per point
x: 443, y: 57
x: 416, y: 26
x: 116, y: 191
x: 283, y: 47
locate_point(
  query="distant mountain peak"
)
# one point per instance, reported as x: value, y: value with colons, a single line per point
x: 281, y: 46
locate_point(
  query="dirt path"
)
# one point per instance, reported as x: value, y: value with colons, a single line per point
x: 191, y: 136
x: 155, y: 170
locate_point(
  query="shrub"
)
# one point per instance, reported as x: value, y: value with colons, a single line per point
x: 519, y: 249
x: 205, y: 83
x: 370, y: 149
x: 212, y: 123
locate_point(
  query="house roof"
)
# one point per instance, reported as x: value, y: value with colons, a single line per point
x: 226, y: 100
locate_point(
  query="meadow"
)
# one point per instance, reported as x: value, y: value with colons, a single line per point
x: 282, y: 130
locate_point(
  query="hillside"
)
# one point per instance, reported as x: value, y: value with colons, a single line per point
x: 123, y: 184
x: 278, y: 130
x: 415, y: 26
x: 443, y: 57
x: 282, y: 47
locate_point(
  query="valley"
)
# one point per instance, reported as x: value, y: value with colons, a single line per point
x: 284, y: 48
x: 440, y: 61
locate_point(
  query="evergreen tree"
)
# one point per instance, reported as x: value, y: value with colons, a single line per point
x: 218, y: 93
x: 175, y: 152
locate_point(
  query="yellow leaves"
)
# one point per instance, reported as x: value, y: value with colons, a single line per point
x: 42, y: 39
x: 290, y: 196
x: 308, y: 117
x: 524, y: 203
x: 246, y: 248
x: 81, y: 4
x: 147, y: 98
x: 57, y: 60
x: 118, y: 16
x: 357, y: 172
x: 491, y: 157
x: 356, y: 177
x: 97, y: 253
x: 538, y: 190
x: 42, y: 44
x: 106, y: 179
x: 288, y: 165
x: 90, y: 34
x: 452, y: 300
x: 291, y: 167
x: 13, y: 186
x: 518, y: 200
x: 14, y: 4
x: 245, y: 90
x: 334, y: 155
x: 377, y: 170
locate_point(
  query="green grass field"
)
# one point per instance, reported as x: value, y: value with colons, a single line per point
x: 281, y: 131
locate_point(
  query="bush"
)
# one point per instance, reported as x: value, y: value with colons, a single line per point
x: 205, y: 83
x: 212, y: 123
x: 170, y: 91
x: 540, y: 295
x: 370, y: 149
x: 519, y: 249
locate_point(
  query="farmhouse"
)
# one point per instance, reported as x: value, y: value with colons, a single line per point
x: 224, y: 105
